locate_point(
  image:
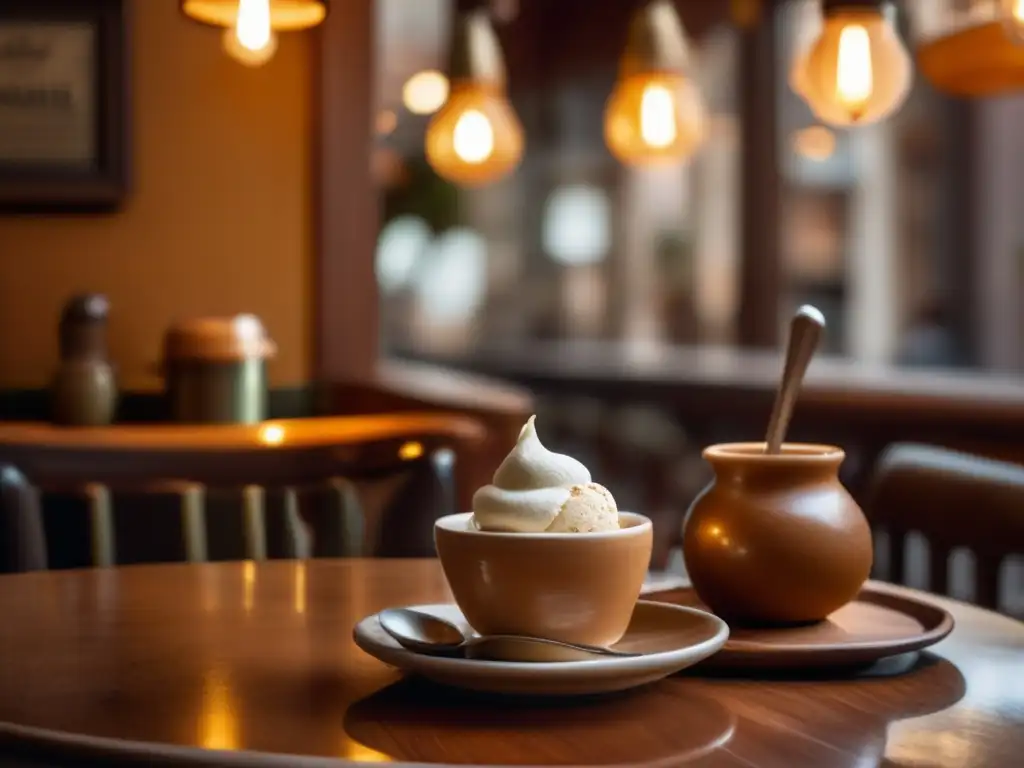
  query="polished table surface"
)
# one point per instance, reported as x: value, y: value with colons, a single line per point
x: 271, y: 435
x: 277, y: 452
x: 249, y: 658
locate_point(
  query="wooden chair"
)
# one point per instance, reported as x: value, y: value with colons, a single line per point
x: 955, y: 500
x: 364, y: 485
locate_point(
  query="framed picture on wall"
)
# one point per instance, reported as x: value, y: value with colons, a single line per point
x: 63, y: 104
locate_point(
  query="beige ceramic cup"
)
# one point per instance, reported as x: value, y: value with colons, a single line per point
x: 573, y: 587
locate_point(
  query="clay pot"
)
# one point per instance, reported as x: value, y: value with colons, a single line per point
x: 776, y: 538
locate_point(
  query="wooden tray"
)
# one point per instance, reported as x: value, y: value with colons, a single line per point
x: 875, y: 625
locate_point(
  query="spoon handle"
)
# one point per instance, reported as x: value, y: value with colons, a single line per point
x: 532, y: 649
x: 804, y: 333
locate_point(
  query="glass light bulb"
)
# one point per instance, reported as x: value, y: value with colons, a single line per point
x: 857, y: 72
x: 657, y: 116
x: 475, y: 138
x: 653, y: 117
x: 854, y: 79
x: 248, y: 56
x: 1013, y: 19
x: 251, y: 41
x: 253, y: 24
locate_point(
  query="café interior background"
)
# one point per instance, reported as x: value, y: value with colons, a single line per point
x: 572, y: 245
x: 576, y: 245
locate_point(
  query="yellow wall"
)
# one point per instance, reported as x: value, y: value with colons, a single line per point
x: 218, y: 222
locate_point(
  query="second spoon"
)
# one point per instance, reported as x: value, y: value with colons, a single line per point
x: 423, y: 633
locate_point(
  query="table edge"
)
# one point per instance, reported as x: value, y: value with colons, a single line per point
x: 44, y: 744
x: 49, y: 743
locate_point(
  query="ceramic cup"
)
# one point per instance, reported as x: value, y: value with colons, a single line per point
x: 776, y: 538
x: 573, y: 587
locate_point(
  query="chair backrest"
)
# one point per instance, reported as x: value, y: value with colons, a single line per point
x: 329, y: 487
x: 954, y: 500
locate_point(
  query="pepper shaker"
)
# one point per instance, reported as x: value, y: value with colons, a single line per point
x: 84, y: 389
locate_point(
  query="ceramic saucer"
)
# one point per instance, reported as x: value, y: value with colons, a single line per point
x: 880, y: 622
x: 667, y: 637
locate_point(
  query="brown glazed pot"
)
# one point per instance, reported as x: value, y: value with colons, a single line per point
x: 776, y: 538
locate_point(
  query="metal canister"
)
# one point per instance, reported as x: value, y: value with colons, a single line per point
x: 215, y: 369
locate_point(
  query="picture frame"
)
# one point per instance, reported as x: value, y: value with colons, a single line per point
x: 64, y: 105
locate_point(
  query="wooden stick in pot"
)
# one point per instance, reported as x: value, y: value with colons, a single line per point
x: 804, y: 333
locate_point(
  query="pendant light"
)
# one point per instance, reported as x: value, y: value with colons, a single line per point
x: 857, y: 71
x: 655, y: 113
x: 972, y: 48
x: 251, y: 26
x: 475, y: 138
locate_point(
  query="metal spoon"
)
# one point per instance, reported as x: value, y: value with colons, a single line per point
x: 423, y: 633
x: 804, y: 333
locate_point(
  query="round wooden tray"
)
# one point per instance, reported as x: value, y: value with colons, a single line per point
x: 875, y: 625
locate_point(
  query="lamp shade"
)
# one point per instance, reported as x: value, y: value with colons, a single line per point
x: 964, y: 48
x: 285, y: 15
x: 656, y: 41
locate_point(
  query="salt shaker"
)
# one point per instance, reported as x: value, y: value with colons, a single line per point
x: 84, y: 389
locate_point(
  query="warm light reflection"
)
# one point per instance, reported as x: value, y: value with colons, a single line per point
x: 209, y: 585
x: 816, y: 142
x: 410, y: 450
x: 425, y: 92
x: 300, y: 588
x: 359, y: 753
x: 934, y: 741
x: 854, y: 79
x: 386, y: 122
x: 718, y: 534
x: 473, y: 138
x: 248, y: 585
x: 271, y: 434
x: 657, y: 116
x: 218, y: 720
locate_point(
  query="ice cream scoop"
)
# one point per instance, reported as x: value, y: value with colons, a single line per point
x: 536, y: 490
x: 589, y: 508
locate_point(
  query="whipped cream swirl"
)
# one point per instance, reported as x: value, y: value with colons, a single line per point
x: 536, y: 490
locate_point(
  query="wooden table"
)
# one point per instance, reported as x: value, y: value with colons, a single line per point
x: 279, y: 450
x: 244, y: 656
